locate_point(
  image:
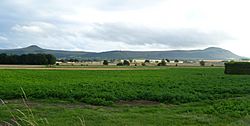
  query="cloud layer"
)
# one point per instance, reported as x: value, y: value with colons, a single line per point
x: 124, y: 25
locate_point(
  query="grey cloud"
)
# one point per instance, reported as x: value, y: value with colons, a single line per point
x: 173, y: 38
x: 111, y: 5
x: 46, y: 35
x: 2, y: 38
x: 27, y: 22
x: 59, y: 36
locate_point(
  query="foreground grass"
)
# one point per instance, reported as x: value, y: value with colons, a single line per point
x: 185, y: 96
x: 232, y: 112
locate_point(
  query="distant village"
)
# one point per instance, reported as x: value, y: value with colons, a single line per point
x: 145, y: 62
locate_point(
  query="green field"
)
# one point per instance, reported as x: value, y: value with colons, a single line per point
x: 171, y: 96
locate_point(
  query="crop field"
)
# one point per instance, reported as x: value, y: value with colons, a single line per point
x: 166, y: 96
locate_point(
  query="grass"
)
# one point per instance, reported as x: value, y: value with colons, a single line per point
x: 186, y: 96
x: 219, y: 112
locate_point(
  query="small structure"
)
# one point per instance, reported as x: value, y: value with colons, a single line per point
x: 237, y: 68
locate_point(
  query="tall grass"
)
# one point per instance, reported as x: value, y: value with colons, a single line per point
x: 26, y: 117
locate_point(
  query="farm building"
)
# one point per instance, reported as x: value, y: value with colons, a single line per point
x: 237, y: 68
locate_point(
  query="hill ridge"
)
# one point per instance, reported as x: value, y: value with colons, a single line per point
x: 210, y: 53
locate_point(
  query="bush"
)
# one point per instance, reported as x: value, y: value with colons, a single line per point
x: 167, y: 60
x: 202, y: 63
x: 126, y: 63
x: 162, y: 63
x: 119, y: 64
x: 237, y: 68
x: 105, y: 62
x: 147, y: 61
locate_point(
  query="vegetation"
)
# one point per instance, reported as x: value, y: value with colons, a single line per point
x: 167, y: 60
x: 125, y: 63
x: 176, y: 61
x: 162, y: 63
x: 119, y: 64
x: 202, y: 63
x: 237, y: 68
x: 29, y: 59
x: 24, y: 117
x: 105, y: 62
x: 173, y: 86
x: 147, y: 61
x: 229, y: 112
x: 191, y: 96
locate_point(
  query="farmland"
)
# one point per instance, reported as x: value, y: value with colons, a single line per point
x: 177, y: 96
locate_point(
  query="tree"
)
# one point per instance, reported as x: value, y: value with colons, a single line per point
x: 3, y: 58
x: 126, y: 63
x: 105, y: 62
x: 147, y: 61
x: 162, y: 63
x: 51, y: 59
x: 29, y: 59
x: 202, y: 63
x: 73, y: 60
x: 167, y: 60
x: 119, y: 64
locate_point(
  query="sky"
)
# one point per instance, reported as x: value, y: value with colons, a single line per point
x: 104, y: 25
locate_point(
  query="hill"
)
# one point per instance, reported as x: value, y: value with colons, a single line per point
x: 212, y: 53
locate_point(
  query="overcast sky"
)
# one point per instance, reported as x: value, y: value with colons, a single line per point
x: 102, y: 25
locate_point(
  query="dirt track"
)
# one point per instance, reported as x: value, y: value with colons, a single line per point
x: 39, y: 67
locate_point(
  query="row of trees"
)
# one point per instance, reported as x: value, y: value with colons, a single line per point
x: 124, y: 63
x: 162, y: 63
x: 28, y: 59
x: 165, y: 60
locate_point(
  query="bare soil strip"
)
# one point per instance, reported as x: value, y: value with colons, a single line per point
x: 41, y: 67
x: 64, y: 104
x: 137, y: 103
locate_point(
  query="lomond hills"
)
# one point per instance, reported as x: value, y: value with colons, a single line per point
x: 212, y: 53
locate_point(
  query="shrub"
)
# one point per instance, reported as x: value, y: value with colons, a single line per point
x: 126, y: 63
x: 147, y: 61
x: 167, y: 60
x: 162, y: 63
x: 105, y: 62
x: 202, y: 63
x: 119, y: 64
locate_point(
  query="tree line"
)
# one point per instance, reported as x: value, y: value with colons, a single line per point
x: 28, y: 59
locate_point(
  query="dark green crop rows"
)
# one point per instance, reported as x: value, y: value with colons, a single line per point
x: 172, y: 85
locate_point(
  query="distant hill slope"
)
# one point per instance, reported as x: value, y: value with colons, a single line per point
x: 36, y: 49
x: 211, y: 53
